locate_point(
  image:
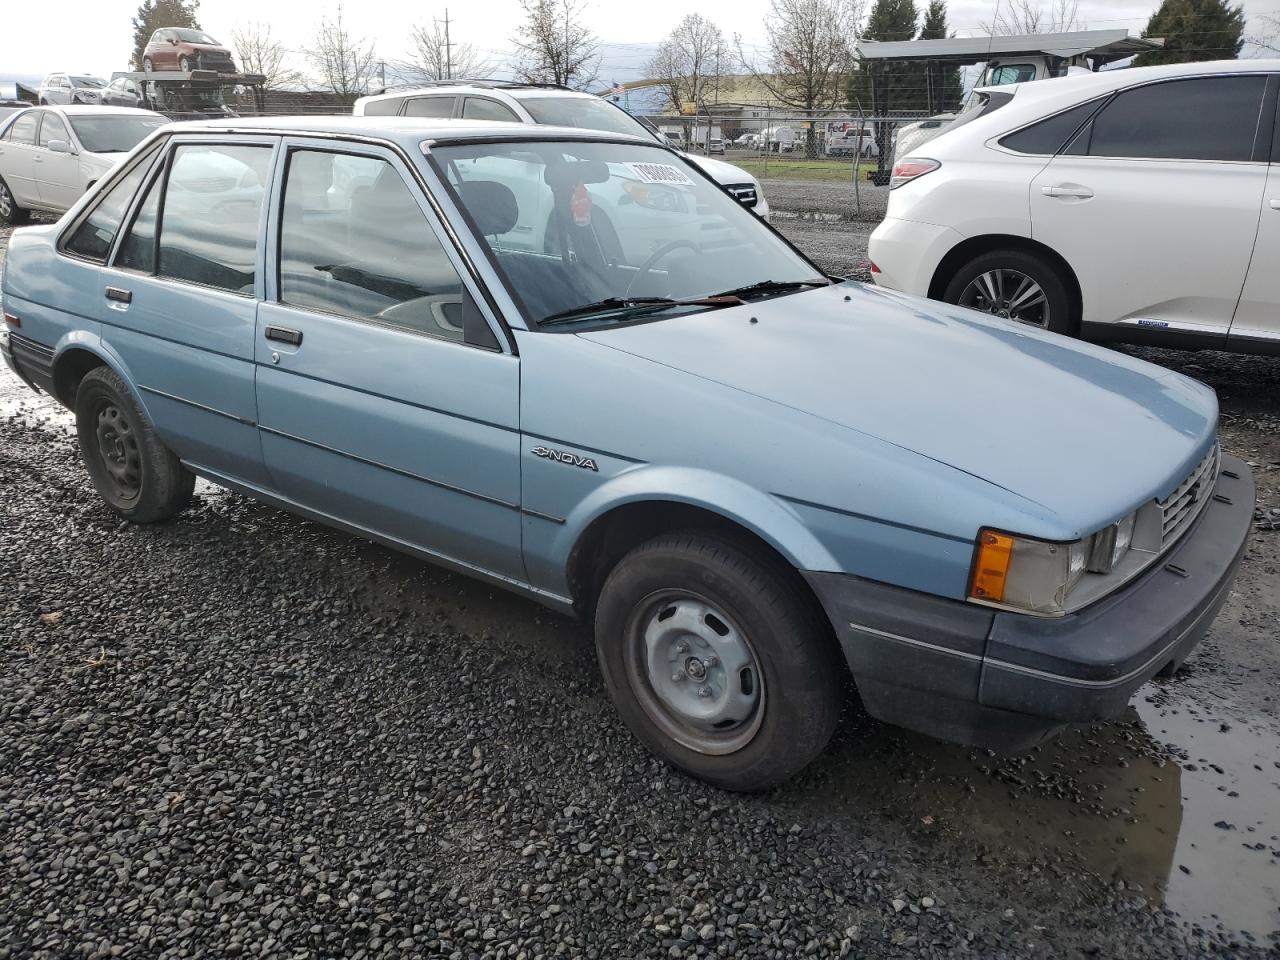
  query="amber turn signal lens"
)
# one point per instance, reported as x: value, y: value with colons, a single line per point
x: 991, y: 569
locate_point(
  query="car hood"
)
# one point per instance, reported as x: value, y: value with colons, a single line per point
x: 1085, y: 433
x: 719, y: 171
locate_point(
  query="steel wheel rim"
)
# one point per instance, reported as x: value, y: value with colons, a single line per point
x: 118, y: 452
x: 694, y: 672
x: 1009, y: 294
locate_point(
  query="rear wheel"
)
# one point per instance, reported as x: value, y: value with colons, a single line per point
x: 136, y: 474
x: 10, y: 213
x: 717, y: 661
x: 1015, y: 285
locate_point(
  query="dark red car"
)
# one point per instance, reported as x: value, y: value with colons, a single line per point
x: 185, y: 48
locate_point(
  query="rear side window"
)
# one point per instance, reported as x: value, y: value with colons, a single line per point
x: 481, y: 108
x: 430, y: 107
x: 1204, y: 118
x: 93, y: 237
x: 138, y: 248
x: 23, y: 130
x: 1050, y: 135
x: 383, y: 108
x: 353, y: 241
x: 212, y: 209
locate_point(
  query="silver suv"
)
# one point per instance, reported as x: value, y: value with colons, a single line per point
x: 65, y: 89
x: 546, y: 104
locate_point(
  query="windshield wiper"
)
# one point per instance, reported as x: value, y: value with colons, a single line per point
x: 631, y: 306
x: 774, y: 286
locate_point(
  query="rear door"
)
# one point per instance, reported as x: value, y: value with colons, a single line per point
x: 57, y: 175
x: 17, y: 158
x: 384, y: 397
x: 179, y: 299
x: 1155, y: 204
x: 1256, y: 325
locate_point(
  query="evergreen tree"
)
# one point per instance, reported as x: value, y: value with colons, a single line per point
x: 154, y: 15
x: 943, y: 87
x: 1195, y: 30
x: 881, y: 87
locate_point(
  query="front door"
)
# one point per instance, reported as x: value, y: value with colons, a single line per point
x: 1155, y: 204
x: 384, y: 398
x: 1257, y: 320
x: 179, y: 300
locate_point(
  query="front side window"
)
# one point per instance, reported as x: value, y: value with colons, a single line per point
x: 53, y: 129
x: 430, y: 107
x: 585, y: 113
x: 576, y: 225
x: 1203, y: 118
x: 117, y: 133
x: 354, y: 242
x: 23, y: 129
x: 93, y: 237
x: 482, y: 108
x: 211, y: 213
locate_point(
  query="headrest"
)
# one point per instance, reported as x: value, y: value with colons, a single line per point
x: 567, y: 174
x: 491, y: 204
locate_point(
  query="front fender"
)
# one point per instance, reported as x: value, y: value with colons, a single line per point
x: 548, y: 546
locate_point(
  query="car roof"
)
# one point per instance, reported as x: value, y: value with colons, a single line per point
x: 406, y: 131
x: 85, y: 110
x: 517, y: 91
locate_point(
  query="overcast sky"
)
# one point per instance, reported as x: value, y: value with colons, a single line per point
x: 94, y: 35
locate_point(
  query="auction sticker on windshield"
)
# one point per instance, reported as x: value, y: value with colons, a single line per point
x: 659, y: 173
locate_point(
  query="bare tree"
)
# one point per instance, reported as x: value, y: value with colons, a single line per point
x: 262, y: 54
x: 434, y: 56
x: 1267, y: 38
x: 1018, y: 17
x: 345, y: 64
x: 554, y: 45
x: 692, y: 61
x: 809, y: 55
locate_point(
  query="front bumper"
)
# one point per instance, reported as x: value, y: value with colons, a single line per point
x: 989, y: 678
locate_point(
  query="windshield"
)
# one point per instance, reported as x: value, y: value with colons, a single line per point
x: 92, y: 82
x: 585, y: 113
x: 113, y: 134
x: 575, y: 224
x: 195, y: 36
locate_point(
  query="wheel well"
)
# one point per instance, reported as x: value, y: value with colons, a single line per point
x: 966, y: 250
x: 611, y: 536
x: 69, y: 371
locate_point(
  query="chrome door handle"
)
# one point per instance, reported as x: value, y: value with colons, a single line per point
x: 1072, y: 191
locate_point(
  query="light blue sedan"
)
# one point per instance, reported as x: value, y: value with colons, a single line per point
x: 568, y: 363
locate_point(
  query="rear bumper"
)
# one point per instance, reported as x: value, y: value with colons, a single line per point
x: 907, y: 253
x: 1004, y: 680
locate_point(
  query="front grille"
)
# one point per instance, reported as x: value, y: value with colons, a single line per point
x: 744, y: 193
x: 1180, y: 508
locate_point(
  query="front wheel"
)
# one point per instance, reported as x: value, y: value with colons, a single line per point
x: 717, y: 661
x: 146, y: 65
x: 132, y: 470
x: 184, y: 64
x: 1014, y: 285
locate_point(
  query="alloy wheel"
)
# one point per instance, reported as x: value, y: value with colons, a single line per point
x: 1008, y: 293
x: 695, y: 673
x: 6, y: 202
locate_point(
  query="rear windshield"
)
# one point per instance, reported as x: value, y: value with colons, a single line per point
x: 113, y: 134
x: 584, y: 113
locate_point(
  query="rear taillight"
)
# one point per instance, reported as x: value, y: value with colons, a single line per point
x: 11, y: 320
x: 874, y: 267
x: 911, y: 168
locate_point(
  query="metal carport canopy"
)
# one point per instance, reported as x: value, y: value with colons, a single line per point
x: 1102, y: 45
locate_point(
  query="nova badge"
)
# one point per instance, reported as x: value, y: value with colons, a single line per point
x: 562, y: 456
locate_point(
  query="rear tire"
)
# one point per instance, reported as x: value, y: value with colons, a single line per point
x: 133, y: 471
x: 10, y: 213
x: 1017, y: 285
x: 718, y: 661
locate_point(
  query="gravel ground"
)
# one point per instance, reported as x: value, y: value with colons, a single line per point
x: 826, y: 200
x: 241, y: 734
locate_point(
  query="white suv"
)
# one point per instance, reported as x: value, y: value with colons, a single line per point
x: 557, y: 106
x: 1140, y: 205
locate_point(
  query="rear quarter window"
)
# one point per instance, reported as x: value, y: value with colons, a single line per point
x: 1047, y: 137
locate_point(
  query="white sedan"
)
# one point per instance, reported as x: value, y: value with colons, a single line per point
x: 1139, y: 205
x: 49, y: 156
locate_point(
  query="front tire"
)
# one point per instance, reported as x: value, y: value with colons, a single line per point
x: 11, y: 214
x: 184, y: 64
x: 133, y: 471
x: 717, y: 660
x: 1016, y: 285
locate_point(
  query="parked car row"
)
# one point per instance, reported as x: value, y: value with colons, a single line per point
x: 563, y: 359
x: 1138, y: 205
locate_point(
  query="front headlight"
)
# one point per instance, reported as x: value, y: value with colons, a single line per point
x: 1039, y: 576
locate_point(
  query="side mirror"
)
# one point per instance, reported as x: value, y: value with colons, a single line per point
x: 59, y: 146
x: 174, y: 41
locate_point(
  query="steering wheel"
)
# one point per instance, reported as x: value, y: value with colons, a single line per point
x: 662, y: 251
